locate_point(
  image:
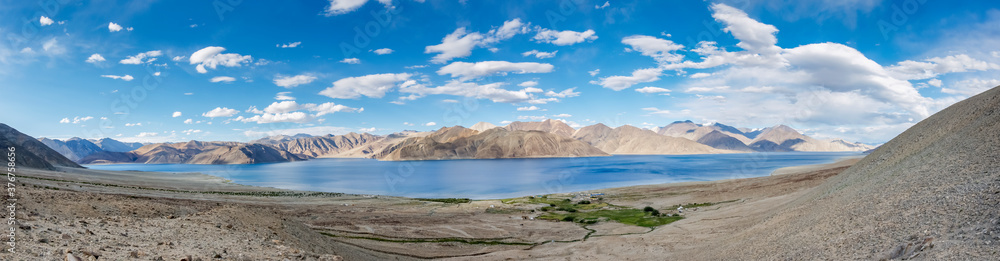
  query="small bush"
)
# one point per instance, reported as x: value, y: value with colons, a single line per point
x: 648, y: 209
x: 585, y: 202
x: 568, y: 218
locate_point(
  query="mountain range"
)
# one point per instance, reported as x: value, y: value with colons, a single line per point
x: 549, y: 138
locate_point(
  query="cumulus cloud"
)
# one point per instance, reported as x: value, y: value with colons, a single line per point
x: 461, y: 42
x: 44, y: 21
x: 225, y: 79
x: 290, y: 45
x: 564, y: 37
x: 493, y: 91
x: 594, y: 72
x: 932, y: 67
x: 113, y: 27
x: 220, y: 112
x: 619, y: 83
x: 339, y: 7
x: 95, y: 58
x: 118, y: 77
x: 661, y: 50
x: 146, y: 57
x: 605, y: 5
x: 466, y: 71
x: 562, y: 115
x: 563, y: 94
x: 284, y: 96
x: 212, y: 57
x: 176, y: 114
x: 540, y: 54
x: 430, y: 124
x: 292, y: 81
x: 374, y: 85
x: 649, y: 90
x: 351, y: 61
x: 382, y: 51
x: 529, y: 108
x: 970, y: 87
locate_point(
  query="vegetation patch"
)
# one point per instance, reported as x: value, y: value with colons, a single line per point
x: 628, y: 216
x: 696, y: 205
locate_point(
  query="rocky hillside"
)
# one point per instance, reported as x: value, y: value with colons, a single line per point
x: 631, y: 140
x: 195, y: 152
x: 931, y: 193
x: 76, y: 149
x: 549, y: 125
x: 312, y: 147
x: 491, y: 144
x: 29, y: 152
x: 784, y: 138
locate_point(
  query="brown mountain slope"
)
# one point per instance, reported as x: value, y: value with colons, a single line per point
x: 312, y: 147
x: 631, y: 140
x: 195, y: 152
x: 29, y: 152
x: 491, y: 144
x: 550, y: 126
x: 243, y: 154
x: 784, y: 138
x: 930, y: 193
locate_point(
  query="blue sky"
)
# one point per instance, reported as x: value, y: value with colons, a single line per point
x: 237, y: 70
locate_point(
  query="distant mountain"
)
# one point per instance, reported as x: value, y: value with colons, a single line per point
x: 312, y: 147
x: 491, y: 144
x: 482, y: 126
x: 550, y: 126
x: 692, y: 131
x: 195, y: 152
x: 717, y: 139
x: 784, y: 138
x: 108, y: 144
x: 632, y: 140
x: 76, y: 149
x: 29, y: 152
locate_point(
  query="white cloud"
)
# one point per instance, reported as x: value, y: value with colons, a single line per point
x: 563, y: 115
x: 178, y: 58
x: 225, y: 79
x: 606, y: 4
x: 594, y: 72
x: 212, y: 57
x: 339, y: 7
x: 649, y: 90
x: 290, y: 117
x: 220, y: 112
x: 449, y: 101
x: 700, y: 75
x: 146, y: 57
x: 77, y: 120
x: 540, y: 54
x: 706, y: 89
x: 492, y: 91
x: 430, y: 124
x: 661, y: 50
x: 44, y: 21
x: 64, y: 120
x: 133, y: 124
x: 619, y: 83
x: 176, y: 114
x: 53, y: 47
x: 529, y: 108
x: 461, y: 42
x: 188, y: 121
x: 563, y: 94
x: 374, y: 85
x: 191, y: 131
x: 284, y: 96
x: 290, y: 45
x: 754, y: 36
x: 455, y: 45
x: 113, y: 27
x: 656, y: 111
x: 932, y: 67
x: 466, y: 71
x: 351, y: 61
x: 528, y: 84
x: 95, y: 58
x: 970, y: 87
x: 382, y: 51
x: 564, y: 37
x: 117, y: 77
x: 372, y: 129
x: 292, y: 81
x: 934, y: 82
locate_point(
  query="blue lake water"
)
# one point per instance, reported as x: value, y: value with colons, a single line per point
x: 495, y: 178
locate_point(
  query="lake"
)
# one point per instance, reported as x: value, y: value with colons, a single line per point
x: 495, y: 178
